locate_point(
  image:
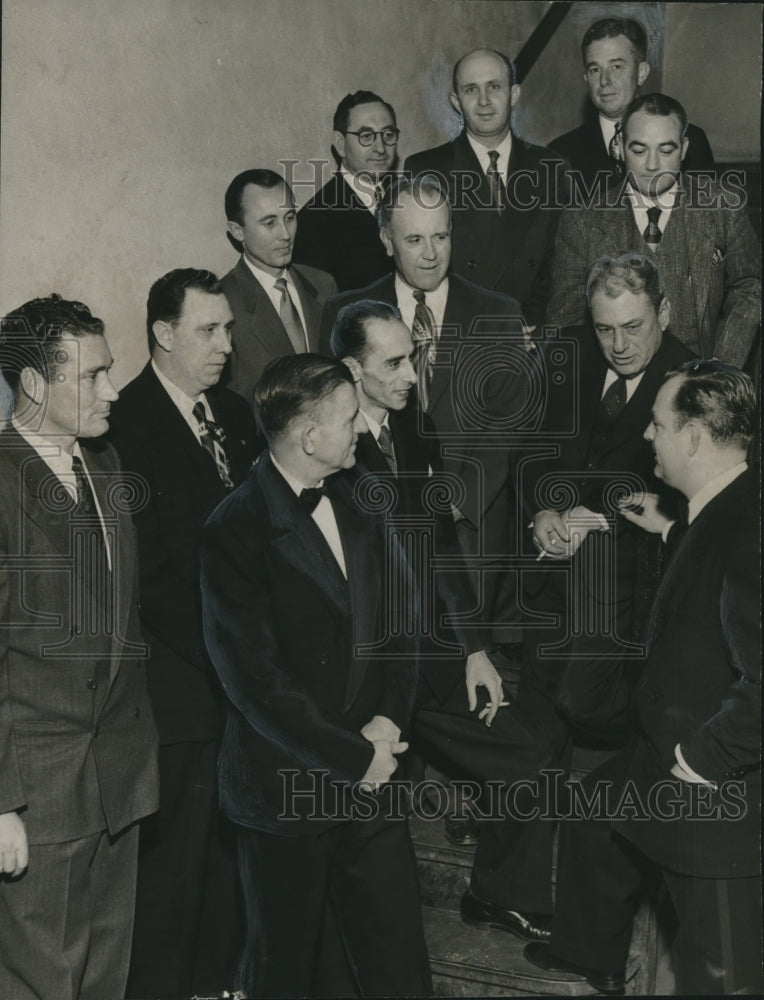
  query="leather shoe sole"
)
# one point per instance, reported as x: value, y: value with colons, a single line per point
x: 526, y: 926
x: 538, y: 954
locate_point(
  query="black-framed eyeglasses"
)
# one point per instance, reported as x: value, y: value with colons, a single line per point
x: 366, y: 136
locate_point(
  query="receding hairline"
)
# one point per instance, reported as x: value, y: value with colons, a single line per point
x: 494, y: 53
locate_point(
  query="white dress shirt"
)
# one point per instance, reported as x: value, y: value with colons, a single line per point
x: 631, y: 383
x: 268, y: 282
x: 504, y: 149
x: 436, y: 302
x: 60, y: 464
x: 607, y: 127
x: 640, y: 204
x: 323, y: 515
x: 364, y: 190
x: 184, y: 402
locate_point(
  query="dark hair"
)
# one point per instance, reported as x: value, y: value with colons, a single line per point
x: 348, y: 339
x: 262, y: 178
x: 635, y: 272
x: 494, y: 52
x: 30, y: 336
x: 294, y: 384
x: 350, y: 101
x: 720, y: 397
x: 613, y: 27
x: 655, y: 104
x: 408, y: 185
x: 168, y: 293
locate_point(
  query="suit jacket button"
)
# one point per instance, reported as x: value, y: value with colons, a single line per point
x: 91, y: 683
x: 137, y: 713
x: 95, y: 732
x: 324, y: 659
x: 471, y: 264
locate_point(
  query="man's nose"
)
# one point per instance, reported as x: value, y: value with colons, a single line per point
x: 224, y: 344
x: 619, y: 343
x: 606, y: 78
x: 378, y: 145
x: 653, y: 160
x: 108, y: 393
x: 429, y: 250
x: 649, y: 433
x: 408, y: 373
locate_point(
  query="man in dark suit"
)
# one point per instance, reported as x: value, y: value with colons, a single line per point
x: 590, y: 593
x: 614, y: 51
x: 276, y: 306
x: 504, y: 191
x: 699, y: 234
x: 294, y: 591
x: 699, y: 735
x: 470, y: 345
x: 400, y: 446
x: 78, y: 759
x: 191, y: 442
x: 337, y: 229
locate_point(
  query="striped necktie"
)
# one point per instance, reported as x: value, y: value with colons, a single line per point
x: 494, y: 179
x: 423, y: 332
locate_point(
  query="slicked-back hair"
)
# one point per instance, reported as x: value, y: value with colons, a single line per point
x: 655, y: 104
x: 409, y: 185
x: 632, y: 272
x: 494, y: 52
x: 720, y: 397
x: 295, y: 385
x: 350, y: 101
x: 261, y: 178
x: 348, y: 338
x: 614, y: 27
x: 30, y: 336
x: 168, y: 293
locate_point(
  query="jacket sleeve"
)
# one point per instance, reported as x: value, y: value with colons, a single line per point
x: 239, y: 629
x: 12, y: 795
x: 568, y: 294
x: 740, y: 316
x: 728, y: 744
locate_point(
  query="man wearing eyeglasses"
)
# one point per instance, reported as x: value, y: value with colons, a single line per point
x: 337, y: 229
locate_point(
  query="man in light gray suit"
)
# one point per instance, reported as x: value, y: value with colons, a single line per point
x: 276, y: 306
x: 697, y: 230
x: 77, y: 737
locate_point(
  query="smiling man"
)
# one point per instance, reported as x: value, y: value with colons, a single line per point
x: 698, y: 234
x: 337, y: 228
x: 191, y: 442
x: 78, y: 764
x: 468, y: 340
x: 276, y: 305
x: 503, y: 190
x: 614, y: 52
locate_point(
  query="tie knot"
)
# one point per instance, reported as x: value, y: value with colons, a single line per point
x: 281, y: 284
x: 310, y: 497
x: 198, y: 412
x: 493, y: 156
x: 420, y: 297
x: 653, y: 214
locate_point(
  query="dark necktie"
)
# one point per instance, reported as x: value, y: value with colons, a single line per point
x: 90, y: 547
x: 212, y: 440
x: 613, y: 401
x: 310, y: 497
x: 652, y: 234
x: 494, y: 179
x: 290, y: 317
x: 423, y: 332
x: 385, y: 442
x: 614, y: 148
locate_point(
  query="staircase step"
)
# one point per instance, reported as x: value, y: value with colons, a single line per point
x: 475, y: 962
x: 444, y: 870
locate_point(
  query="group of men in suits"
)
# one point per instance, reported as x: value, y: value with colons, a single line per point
x: 427, y: 294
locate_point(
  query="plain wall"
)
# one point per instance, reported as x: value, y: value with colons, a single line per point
x: 124, y: 120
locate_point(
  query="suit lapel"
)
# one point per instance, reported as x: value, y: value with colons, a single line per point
x: 700, y: 241
x: 40, y: 493
x: 311, y: 306
x: 264, y: 322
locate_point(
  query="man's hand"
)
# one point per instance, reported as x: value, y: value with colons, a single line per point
x: 561, y: 535
x: 642, y: 509
x: 480, y: 671
x: 383, y: 763
x: 381, y: 728
x: 14, y: 850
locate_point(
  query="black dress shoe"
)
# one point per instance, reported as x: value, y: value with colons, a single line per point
x: 461, y: 831
x: 538, y: 954
x: 527, y: 926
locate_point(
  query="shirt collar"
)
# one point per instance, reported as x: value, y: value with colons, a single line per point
x: 182, y: 400
x: 364, y: 190
x: 374, y: 425
x: 436, y: 299
x: 713, y: 489
x: 665, y: 201
x: 607, y: 127
x: 504, y: 149
x: 266, y: 279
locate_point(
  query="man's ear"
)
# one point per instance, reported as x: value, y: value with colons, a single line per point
x: 664, y: 313
x: 694, y: 438
x: 235, y: 230
x: 353, y: 367
x: 32, y: 385
x: 306, y: 439
x: 163, y: 334
x: 338, y: 141
x: 642, y: 73
x: 514, y: 95
x: 387, y: 242
x: 685, y: 147
x: 455, y: 103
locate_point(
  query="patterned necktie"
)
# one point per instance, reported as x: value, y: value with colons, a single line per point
x: 385, y: 442
x: 310, y: 497
x: 423, y: 332
x: 652, y: 234
x: 614, y: 148
x: 494, y: 179
x: 291, y: 318
x: 94, y: 560
x: 212, y: 440
x: 613, y: 401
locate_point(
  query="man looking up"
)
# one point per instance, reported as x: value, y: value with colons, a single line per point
x: 337, y: 229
